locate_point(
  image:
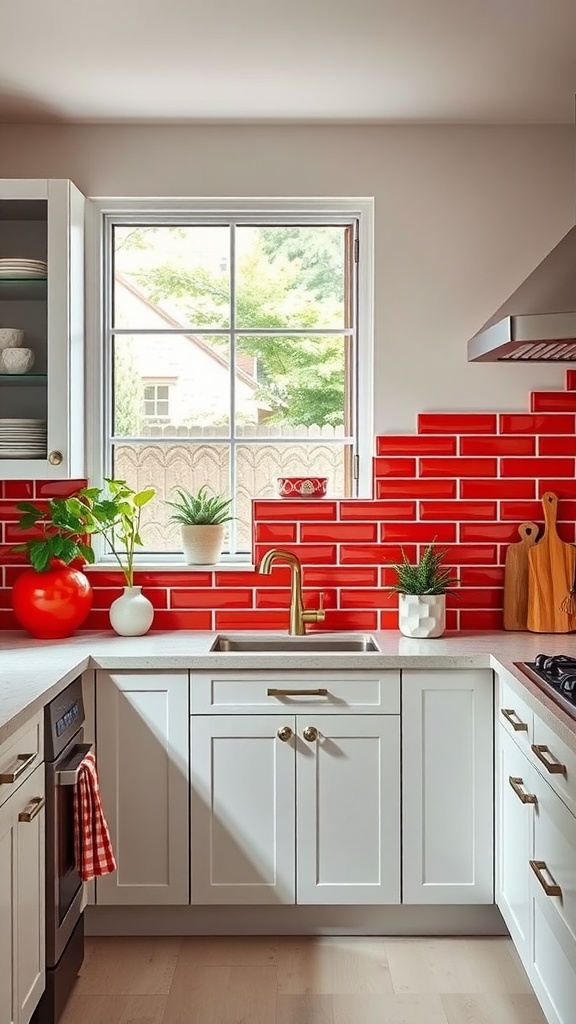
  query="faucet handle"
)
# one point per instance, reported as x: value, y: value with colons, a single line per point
x: 316, y: 614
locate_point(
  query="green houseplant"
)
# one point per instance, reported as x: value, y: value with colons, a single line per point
x: 202, y: 517
x: 422, y: 588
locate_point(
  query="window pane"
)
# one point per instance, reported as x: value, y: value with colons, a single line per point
x: 291, y: 277
x: 165, y: 467
x: 198, y: 395
x: 171, y: 276
x: 260, y: 465
x: 296, y: 385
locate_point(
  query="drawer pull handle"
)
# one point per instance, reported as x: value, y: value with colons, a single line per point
x: 284, y: 734
x: 321, y: 692
x: 554, y: 767
x: 517, y: 724
x: 23, y: 762
x: 310, y: 733
x: 526, y: 798
x: 538, y: 866
x: 34, y: 808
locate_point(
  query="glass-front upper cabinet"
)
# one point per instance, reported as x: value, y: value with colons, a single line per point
x: 41, y: 329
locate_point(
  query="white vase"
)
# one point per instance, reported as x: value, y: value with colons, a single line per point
x: 422, y: 615
x: 131, y: 614
x: 202, y: 544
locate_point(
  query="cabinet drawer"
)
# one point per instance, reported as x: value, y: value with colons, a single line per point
x: 516, y: 716
x: 554, y: 853
x: 20, y: 755
x: 251, y: 692
x: 553, y: 968
x: 555, y: 761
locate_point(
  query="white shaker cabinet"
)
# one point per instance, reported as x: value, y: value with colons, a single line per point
x: 514, y: 829
x: 42, y: 219
x: 142, y: 744
x: 447, y: 786
x: 22, y: 900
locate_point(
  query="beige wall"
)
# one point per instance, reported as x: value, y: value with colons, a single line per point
x: 462, y: 215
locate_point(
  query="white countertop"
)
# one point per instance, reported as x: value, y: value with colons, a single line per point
x: 32, y: 671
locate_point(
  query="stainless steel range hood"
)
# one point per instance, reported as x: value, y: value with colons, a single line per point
x: 538, y: 322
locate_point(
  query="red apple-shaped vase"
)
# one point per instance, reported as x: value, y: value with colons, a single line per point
x: 52, y: 604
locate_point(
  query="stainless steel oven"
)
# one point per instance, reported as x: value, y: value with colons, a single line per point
x: 65, y: 750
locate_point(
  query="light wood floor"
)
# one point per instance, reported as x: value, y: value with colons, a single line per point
x: 336, y: 980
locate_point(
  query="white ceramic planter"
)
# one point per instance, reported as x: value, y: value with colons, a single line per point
x: 202, y: 544
x: 131, y: 614
x: 422, y: 615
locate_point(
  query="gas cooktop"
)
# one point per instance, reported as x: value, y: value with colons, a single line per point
x: 555, y: 674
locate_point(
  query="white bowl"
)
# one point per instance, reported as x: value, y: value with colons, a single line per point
x: 16, y: 360
x: 11, y: 337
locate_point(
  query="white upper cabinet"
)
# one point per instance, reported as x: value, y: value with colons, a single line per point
x: 43, y: 220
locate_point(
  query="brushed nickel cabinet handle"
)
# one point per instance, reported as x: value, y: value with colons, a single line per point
x: 55, y: 458
x: 33, y: 808
x: 321, y: 692
x: 517, y: 724
x: 310, y: 733
x: 551, y: 889
x: 284, y: 734
x: 551, y: 765
x: 23, y: 761
x: 526, y: 798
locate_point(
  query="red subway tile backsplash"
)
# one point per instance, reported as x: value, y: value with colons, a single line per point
x: 338, y: 532
x: 416, y: 488
x: 415, y: 444
x: 386, y: 467
x: 536, y: 423
x: 553, y: 401
x: 497, y: 489
x: 457, y: 423
x: 460, y: 467
x: 380, y: 510
x: 507, y: 445
x: 537, y: 467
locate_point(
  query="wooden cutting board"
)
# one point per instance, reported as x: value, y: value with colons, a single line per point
x: 516, y: 578
x: 550, y: 575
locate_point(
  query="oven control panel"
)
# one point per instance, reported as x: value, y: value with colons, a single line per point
x: 63, y: 717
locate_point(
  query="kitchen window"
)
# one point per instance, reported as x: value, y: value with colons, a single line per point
x: 234, y: 343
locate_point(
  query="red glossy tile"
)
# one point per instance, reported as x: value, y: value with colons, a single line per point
x: 338, y: 532
x: 472, y: 554
x: 58, y: 488
x: 521, y: 511
x: 258, y: 619
x: 8, y: 511
x: 456, y: 423
x: 458, y: 510
x: 275, y: 533
x: 418, y: 533
x: 281, y: 598
x: 566, y: 532
x: 497, y: 489
x: 104, y: 596
x: 309, y: 554
x: 384, y: 467
x: 365, y: 598
x: 336, y: 620
x: 552, y: 401
x: 483, y: 597
x: 563, y: 488
x: 481, y: 576
x: 471, y: 533
x: 10, y: 557
x: 11, y: 574
x: 14, y: 535
x: 279, y: 577
x: 537, y: 467
x: 8, y: 621
x: 481, y: 620
x: 415, y: 444
x: 551, y: 445
x: 173, y: 619
x: 19, y: 490
x: 373, y: 554
x: 215, y: 597
x: 571, y: 380
x: 389, y: 619
x: 97, y: 619
x: 287, y: 509
x: 508, y: 445
x: 415, y: 489
x: 380, y: 510
x: 5, y: 597
x: 340, y: 577
x: 458, y: 467
x: 536, y: 423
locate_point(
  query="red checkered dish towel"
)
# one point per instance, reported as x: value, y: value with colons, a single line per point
x: 92, y: 846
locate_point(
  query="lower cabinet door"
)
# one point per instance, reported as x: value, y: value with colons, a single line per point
x: 8, y: 835
x: 242, y: 811
x: 142, y: 721
x: 31, y: 931
x: 553, y: 968
x: 348, y: 809
x: 515, y: 817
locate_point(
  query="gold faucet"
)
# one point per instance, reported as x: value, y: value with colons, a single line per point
x: 298, y: 617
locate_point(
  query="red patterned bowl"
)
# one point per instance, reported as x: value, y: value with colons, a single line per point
x: 302, y: 486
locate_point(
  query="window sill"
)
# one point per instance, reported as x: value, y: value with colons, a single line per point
x: 173, y: 567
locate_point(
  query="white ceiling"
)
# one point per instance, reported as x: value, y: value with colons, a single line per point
x: 500, y: 61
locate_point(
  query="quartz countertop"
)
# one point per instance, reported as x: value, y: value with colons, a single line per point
x: 32, y: 672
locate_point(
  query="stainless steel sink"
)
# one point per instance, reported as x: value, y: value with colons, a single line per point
x: 336, y: 643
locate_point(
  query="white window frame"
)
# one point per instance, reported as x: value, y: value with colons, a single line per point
x: 100, y: 210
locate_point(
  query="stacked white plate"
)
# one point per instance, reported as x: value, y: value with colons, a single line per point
x: 17, y: 269
x: 23, y: 439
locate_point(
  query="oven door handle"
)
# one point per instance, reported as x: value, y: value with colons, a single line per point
x: 68, y: 776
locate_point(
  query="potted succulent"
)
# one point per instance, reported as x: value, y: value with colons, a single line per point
x: 202, y: 517
x: 422, y: 594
